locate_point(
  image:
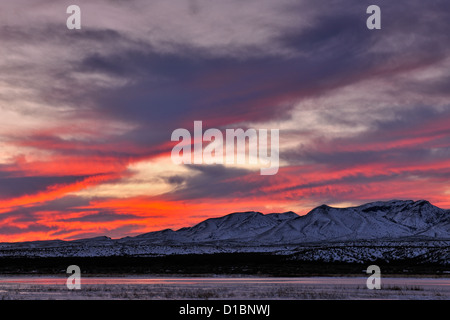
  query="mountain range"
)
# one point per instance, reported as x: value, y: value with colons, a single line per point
x: 385, y: 229
x: 377, y: 220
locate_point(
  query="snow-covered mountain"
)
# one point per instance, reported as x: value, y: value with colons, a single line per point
x: 402, y: 229
x: 238, y: 226
x: 378, y: 220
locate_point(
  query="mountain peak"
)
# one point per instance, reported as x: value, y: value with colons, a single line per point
x: 289, y: 214
x: 320, y: 209
x: 422, y: 203
x: 99, y: 238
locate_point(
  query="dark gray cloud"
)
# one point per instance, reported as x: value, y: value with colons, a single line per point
x: 29, y: 214
x: 213, y: 181
x: 17, y: 186
x: 32, y: 227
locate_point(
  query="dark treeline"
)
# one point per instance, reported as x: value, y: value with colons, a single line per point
x: 207, y: 264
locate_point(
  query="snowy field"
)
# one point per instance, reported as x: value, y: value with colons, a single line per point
x: 43, y: 288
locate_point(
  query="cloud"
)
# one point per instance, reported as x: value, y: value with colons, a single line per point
x: 104, y: 217
x: 17, y: 186
x: 212, y: 181
x: 11, y: 230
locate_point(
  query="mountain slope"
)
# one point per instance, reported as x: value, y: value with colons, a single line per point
x: 237, y: 226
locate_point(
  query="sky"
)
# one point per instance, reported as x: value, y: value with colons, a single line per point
x: 86, y: 115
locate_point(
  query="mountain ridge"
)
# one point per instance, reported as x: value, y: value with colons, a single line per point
x: 375, y: 220
x: 386, y: 230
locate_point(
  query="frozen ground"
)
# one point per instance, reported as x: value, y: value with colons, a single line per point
x: 43, y: 288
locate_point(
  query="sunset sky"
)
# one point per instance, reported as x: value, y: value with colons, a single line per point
x: 86, y: 115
